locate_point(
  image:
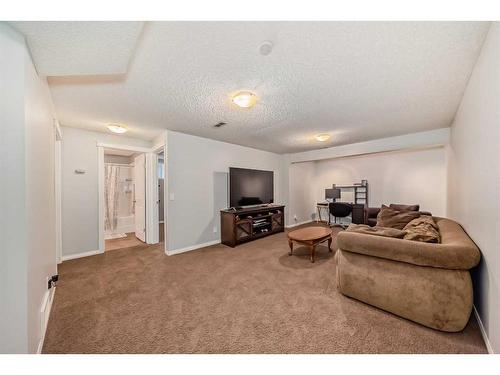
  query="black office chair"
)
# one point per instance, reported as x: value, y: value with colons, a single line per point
x: 339, y: 210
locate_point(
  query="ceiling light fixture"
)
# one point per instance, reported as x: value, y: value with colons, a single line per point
x: 322, y: 137
x: 244, y: 99
x: 115, y: 128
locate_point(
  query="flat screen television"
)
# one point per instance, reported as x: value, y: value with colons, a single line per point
x: 249, y: 187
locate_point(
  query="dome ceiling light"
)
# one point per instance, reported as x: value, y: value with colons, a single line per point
x: 322, y: 137
x: 118, y: 129
x: 244, y: 99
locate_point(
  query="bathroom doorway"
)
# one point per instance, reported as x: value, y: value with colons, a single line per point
x: 124, y: 199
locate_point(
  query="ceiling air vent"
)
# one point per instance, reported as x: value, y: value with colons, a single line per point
x: 219, y: 124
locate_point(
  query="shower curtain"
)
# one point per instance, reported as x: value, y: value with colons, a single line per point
x: 112, y: 173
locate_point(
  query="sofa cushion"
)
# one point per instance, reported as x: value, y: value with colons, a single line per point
x: 422, y: 229
x: 404, y: 207
x: 391, y: 218
x: 376, y: 231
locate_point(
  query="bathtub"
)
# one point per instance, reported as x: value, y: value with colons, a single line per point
x: 125, y: 224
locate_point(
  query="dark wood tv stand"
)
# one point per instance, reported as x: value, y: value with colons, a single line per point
x: 248, y: 224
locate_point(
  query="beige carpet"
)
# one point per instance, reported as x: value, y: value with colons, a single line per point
x: 250, y: 299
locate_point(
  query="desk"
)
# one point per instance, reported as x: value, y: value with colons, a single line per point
x: 322, y: 206
x: 357, y: 214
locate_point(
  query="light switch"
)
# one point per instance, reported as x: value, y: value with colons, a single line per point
x: 172, y: 196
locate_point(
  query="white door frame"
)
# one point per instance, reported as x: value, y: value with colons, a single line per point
x: 150, y: 198
x: 57, y: 189
x: 155, y: 233
x: 156, y: 217
x: 100, y: 196
x: 140, y: 194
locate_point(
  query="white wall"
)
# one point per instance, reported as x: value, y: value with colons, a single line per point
x: 197, y: 171
x: 14, y: 256
x: 408, y: 177
x: 40, y: 199
x: 302, y: 201
x: 197, y: 177
x: 474, y: 178
x: 27, y: 196
x: 80, y: 218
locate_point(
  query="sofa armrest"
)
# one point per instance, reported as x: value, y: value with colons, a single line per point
x: 449, y: 256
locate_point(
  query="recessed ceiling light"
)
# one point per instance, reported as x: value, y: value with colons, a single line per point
x: 322, y: 137
x: 115, y: 128
x: 244, y: 99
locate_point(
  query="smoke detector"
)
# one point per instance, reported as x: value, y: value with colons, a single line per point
x: 266, y: 48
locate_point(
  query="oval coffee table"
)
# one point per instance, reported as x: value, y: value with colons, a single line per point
x: 310, y: 236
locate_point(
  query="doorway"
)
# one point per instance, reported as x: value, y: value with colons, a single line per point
x: 142, y: 226
x: 124, y: 199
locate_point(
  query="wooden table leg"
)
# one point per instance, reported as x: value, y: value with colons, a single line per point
x: 290, y: 243
x: 330, y: 244
x: 313, y: 250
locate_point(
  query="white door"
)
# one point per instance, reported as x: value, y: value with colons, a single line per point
x: 140, y: 196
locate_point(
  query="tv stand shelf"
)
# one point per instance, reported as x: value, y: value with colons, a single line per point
x: 247, y: 224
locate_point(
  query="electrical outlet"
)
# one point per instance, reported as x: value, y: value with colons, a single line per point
x: 295, y: 217
x: 215, y: 229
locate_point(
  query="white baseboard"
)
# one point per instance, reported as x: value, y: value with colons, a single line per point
x: 194, y: 247
x: 45, y: 309
x: 80, y: 255
x: 297, y: 224
x: 483, y: 332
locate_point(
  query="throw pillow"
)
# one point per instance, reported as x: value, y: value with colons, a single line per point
x: 404, y: 207
x: 423, y: 229
x: 376, y: 231
x: 391, y: 218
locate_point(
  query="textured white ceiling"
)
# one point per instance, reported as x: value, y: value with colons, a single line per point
x: 80, y: 48
x: 354, y: 80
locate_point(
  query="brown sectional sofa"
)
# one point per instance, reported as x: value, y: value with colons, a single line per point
x: 427, y: 283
